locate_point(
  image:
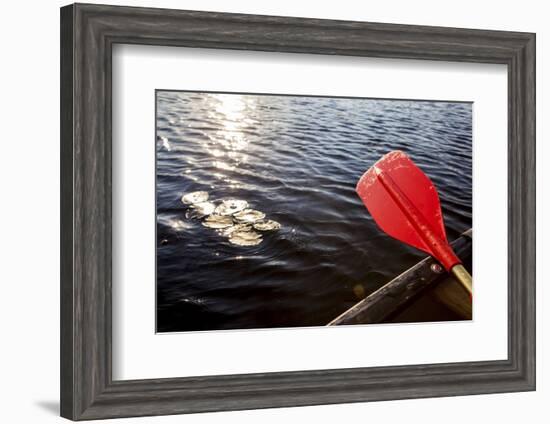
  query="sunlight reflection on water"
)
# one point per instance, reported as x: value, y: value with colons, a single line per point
x: 296, y: 159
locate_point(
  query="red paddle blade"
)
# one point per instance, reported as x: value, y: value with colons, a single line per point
x: 405, y: 205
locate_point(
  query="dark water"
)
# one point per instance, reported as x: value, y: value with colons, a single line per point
x: 297, y: 159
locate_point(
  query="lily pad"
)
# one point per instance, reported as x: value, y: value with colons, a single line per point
x: 249, y: 216
x: 227, y: 232
x: 245, y: 238
x: 195, y: 197
x: 218, y: 221
x: 203, y: 209
x: 231, y: 206
x: 268, y: 225
x: 247, y: 234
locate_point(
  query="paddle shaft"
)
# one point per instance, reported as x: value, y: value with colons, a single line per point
x: 463, y: 277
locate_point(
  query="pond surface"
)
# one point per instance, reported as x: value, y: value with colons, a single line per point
x: 296, y: 160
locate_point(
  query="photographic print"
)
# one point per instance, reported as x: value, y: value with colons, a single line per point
x: 288, y: 210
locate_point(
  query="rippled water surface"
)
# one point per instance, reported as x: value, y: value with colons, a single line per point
x: 296, y: 159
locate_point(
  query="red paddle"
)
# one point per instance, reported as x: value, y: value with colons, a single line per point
x: 405, y: 205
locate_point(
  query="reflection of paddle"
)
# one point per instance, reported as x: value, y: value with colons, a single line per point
x: 405, y: 205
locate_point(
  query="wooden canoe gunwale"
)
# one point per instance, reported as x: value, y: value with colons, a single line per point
x: 400, y: 291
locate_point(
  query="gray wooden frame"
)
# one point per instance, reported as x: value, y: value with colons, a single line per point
x: 88, y: 33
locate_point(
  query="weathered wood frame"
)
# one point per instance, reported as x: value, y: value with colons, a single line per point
x: 88, y: 33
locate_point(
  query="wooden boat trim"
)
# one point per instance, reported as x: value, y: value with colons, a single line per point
x: 394, y: 295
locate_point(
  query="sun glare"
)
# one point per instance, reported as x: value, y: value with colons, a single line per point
x: 230, y: 141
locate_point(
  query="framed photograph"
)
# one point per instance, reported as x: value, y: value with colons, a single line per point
x: 266, y: 211
x: 258, y: 191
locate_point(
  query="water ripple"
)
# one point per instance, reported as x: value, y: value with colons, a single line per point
x: 298, y: 159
